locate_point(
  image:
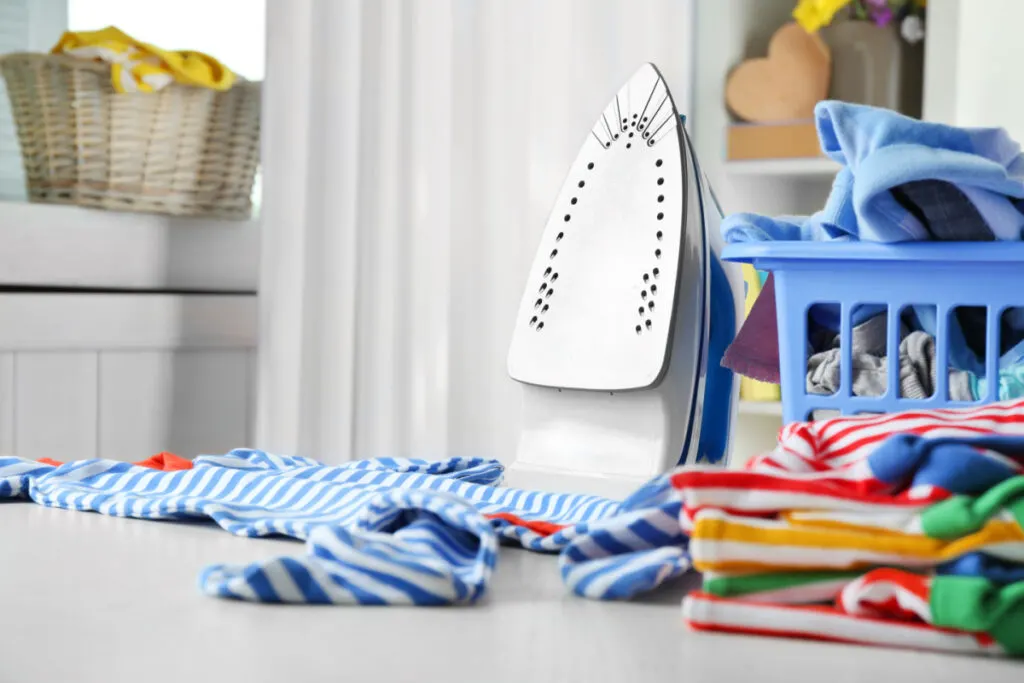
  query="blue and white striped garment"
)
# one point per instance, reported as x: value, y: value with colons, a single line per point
x: 385, y: 531
x: 632, y: 552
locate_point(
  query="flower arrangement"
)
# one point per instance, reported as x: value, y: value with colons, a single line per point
x: 812, y: 15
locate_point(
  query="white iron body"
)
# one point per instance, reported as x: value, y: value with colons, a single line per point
x: 611, y: 340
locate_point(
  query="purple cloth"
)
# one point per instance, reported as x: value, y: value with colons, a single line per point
x: 754, y: 352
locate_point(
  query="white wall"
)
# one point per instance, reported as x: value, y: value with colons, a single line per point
x: 974, y: 54
x: 991, y: 51
x: 232, y: 31
x: 124, y: 376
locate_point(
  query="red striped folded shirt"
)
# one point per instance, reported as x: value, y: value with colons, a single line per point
x: 844, y: 441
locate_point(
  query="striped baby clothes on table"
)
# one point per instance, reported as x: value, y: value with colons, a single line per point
x: 633, y: 552
x: 406, y: 547
x: 167, y: 462
x: 888, y: 607
x: 385, y: 531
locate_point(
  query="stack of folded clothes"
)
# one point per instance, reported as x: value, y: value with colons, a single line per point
x: 904, y: 530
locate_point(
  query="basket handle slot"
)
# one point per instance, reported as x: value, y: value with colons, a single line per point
x: 892, y: 350
x: 973, y: 347
x: 993, y: 346
x: 942, y: 316
x: 846, y: 351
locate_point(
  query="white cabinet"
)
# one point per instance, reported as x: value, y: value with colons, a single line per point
x: 192, y: 401
x: 99, y: 359
x: 125, y: 376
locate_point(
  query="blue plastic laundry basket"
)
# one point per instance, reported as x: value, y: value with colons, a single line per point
x: 897, y: 276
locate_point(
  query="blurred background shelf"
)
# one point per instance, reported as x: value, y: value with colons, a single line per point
x: 790, y: 168
x: 770, y: 408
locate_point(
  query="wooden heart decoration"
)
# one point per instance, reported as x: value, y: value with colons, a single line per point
x: 785, y: 85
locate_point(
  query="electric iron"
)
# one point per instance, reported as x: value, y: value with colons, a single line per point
x: 627, y: 311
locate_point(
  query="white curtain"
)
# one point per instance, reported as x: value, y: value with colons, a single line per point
x: 412, y: 149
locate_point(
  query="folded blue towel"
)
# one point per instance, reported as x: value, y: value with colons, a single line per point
x: 881, y: 150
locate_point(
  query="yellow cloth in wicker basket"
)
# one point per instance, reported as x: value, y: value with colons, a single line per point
x: 139, y: 67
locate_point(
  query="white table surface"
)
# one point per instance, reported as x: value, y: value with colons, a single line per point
x: 88, y: 598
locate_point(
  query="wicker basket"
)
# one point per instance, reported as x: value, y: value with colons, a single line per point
x: 182, y: 151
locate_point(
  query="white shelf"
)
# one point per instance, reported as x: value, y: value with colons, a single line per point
x: 43, y: 245
x: 773, y: 408
x: 784, y: 168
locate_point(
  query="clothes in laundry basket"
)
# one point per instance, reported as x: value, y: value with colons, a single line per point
x: 945, y: 212
x: 751, y: 389
x: 140, y: 67
x: 881, y: 150
x: 385, y: 531
x: 754, y: 352
x: 918, y: 367
x: 902, y: 180
x: 1011, y: 383
x: 870, y: 365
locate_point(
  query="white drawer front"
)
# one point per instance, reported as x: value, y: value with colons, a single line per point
x: 125, y: 376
